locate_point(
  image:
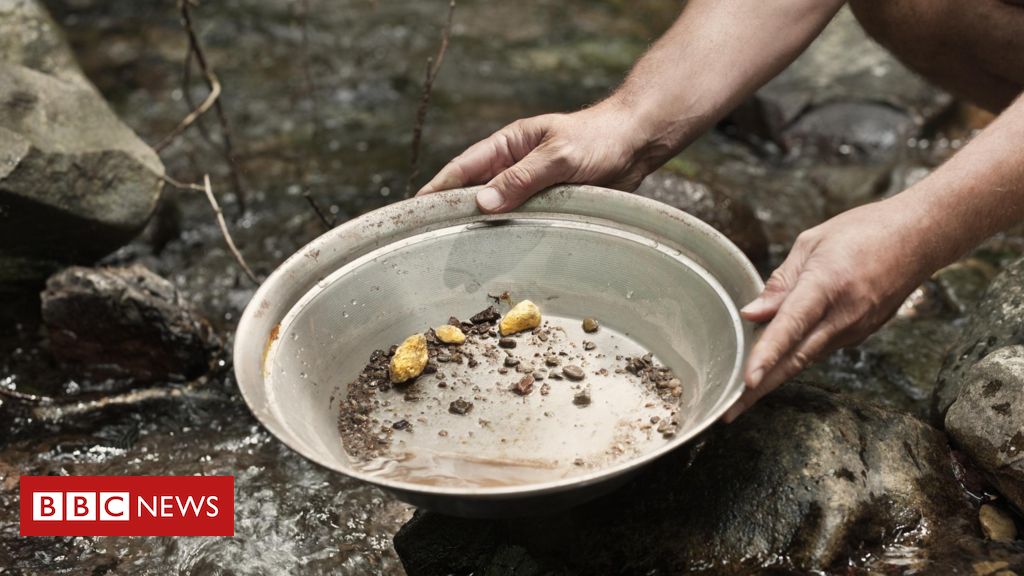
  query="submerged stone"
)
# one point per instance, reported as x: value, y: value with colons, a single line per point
x: 799, y: 482
x: 125, y: 323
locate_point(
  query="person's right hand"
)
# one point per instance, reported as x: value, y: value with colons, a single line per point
x: 601, y: 145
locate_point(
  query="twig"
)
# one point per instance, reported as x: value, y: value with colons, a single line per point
x: 433, y: 67
x: 193, y: 41
x: 224, y: 230
x: 194, y: 115
x: 327, y: 222
x: 314, y: 102
x: 180, y: 184
x: 220, y: 219
x: 186, y: 81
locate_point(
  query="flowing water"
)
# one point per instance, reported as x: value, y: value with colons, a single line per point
x: 321, y: 97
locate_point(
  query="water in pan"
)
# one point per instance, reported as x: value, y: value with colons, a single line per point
x: 529, y: 421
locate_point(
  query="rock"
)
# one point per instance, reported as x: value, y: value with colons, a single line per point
x: 997, y: 524
x: 987, y: 419
x: 996, y: 321
x: 844, y: 76
x: 713, y: 205
x: 75, y: 182
x: 30, y: 38
x: 805, y: 479
x: 125, y: 323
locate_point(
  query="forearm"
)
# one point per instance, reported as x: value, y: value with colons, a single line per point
x: 976, y: 193
x: 716, y: 54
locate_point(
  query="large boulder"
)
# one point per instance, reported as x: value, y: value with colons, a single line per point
x: 75, y: 182
x: 723, y: 211
x: 802, y: 482
x: 996, y: 321
x: 987, y: 419
x: 125, y: 323
x: 845, y: 95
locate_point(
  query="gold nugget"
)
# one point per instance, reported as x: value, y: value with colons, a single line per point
x: 410, y: 359
x: 449, y: 334
x: 522, y: 316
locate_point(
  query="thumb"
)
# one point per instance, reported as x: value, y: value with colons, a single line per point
x: 516, y: 184
x: 779, y: 285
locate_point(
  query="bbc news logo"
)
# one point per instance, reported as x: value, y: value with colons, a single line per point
x: 127, y: 505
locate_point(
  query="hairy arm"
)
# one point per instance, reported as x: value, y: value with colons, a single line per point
x: 714, y: 56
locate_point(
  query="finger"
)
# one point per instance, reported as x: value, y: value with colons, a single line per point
x: 779, y: 285
x: 478, y: 164
x: 802, y: 309
x: 538, y: 170
x: 810, y: 349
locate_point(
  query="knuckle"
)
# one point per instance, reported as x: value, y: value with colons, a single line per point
x: 518, y: 177
x: 778, y: 281
x: 800, y: 360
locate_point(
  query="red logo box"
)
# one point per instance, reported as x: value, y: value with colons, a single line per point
x: 127, y: 505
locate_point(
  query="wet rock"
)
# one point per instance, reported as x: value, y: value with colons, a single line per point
x: 805, y: 479
x: 75, y: 182
x: 996, y: 321
x: 30, y: 38
x: 125, y: 323
x: 844, y: 81
x: 987, y: 419
x: 712, y: 204
x: 963, y: 283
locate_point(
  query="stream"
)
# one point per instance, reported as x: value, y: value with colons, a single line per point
x: 321, y: 98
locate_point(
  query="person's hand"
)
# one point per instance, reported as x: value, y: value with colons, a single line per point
x: 841, y: 281
x: 602, y: 145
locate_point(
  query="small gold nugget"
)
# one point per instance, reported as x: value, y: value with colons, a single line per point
x: 450, y: 334
x: 522, y: 316
x: 410, y: 359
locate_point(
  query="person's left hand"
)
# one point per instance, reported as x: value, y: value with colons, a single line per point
x: 841, y: 281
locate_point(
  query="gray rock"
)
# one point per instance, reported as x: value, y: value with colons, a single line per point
x: 803, y: 481
x: 996, y: 321
x: 30, y: 38
x: 987, y: 419
x: 75, y: 182
x: 842, y: 66
x: 727, y: 214
x: 125, y: 323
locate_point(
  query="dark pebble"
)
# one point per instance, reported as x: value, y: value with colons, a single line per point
x: 507, y: 343
x: 402, y: 425
x: 511, y: 361
x: 488, y: 315
x: 589, y: 325
x: 582, y: 398
x: 573, y: 372
x: 524, y: 386
x: 460, y: 406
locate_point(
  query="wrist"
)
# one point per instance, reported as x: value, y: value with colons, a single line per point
x: 650, y: 136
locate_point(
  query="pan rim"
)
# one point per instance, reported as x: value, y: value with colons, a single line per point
x: 458, y: 199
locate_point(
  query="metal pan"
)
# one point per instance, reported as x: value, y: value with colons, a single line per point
x: 657, y: 279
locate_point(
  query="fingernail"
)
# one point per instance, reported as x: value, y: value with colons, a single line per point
x: 754, y: 306
x: 755, y: 378
x: 489, y: 199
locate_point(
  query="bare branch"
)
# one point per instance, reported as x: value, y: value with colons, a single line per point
x: 220, y: 219
x: 211, y: 81
x: 194, y: 115
x: 327, y: 222
x: 314, y: 101
x: 433, y: 67
x: 224, y: 230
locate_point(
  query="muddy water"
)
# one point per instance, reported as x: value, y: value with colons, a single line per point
x: 325, y: 107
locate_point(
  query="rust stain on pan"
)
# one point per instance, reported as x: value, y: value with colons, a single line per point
x: 274, y: 333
